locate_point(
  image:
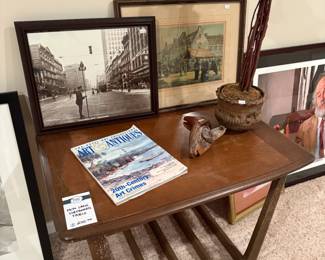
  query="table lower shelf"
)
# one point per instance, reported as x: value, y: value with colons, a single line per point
x: 97, y: 247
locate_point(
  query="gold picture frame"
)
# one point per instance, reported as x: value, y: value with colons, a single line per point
x: 244, y: 202
x: 199, y: 46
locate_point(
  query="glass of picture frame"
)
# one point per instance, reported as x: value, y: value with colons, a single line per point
x: 199, y: 46
x: 23, y: 232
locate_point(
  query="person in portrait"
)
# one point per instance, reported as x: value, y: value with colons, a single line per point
x: 310, y: 134
x: 79, y: 101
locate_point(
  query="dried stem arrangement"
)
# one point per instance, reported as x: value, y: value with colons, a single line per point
x: 256, y: 35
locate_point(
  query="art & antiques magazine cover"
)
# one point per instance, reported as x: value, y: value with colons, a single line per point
x: 128, y: 164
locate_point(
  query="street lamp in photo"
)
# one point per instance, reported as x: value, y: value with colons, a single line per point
x: 82, y: 68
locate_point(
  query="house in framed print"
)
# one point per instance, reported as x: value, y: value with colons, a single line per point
x: 190, y: 54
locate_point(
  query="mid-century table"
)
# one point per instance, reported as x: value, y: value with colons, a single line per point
x: 235, y: 162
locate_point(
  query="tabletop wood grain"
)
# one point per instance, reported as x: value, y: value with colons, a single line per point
x: 235, y: 162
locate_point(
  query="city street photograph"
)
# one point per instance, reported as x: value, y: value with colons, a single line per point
x: 85, y: 75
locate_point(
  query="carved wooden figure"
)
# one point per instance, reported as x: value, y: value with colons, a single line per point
x: 201, y: 136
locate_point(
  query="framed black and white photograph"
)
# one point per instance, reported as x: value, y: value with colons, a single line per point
x: 89, y: 70
x: 23, y: 233
x: 199, y: 45
x: 293, y: 80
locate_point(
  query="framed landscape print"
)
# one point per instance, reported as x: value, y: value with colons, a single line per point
x: 293, y: 80
x: 199, y: 45
x: 23, y: 233
x: 86, y: 71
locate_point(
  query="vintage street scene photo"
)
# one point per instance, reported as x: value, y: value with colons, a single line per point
x: 91, y: 74
x: 8, y: 241
x: 295, y: 105
x: 190, y: 54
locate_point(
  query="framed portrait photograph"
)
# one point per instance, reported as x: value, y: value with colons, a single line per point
x: 85, y: 71
x: 23, y: 233
x: 199, y: 46
x: 293, y: 80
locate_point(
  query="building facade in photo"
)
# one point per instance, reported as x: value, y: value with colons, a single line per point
x: 48, y: 72
x: 139, y: 57
x: 112, y: 46
x: 73, y: 77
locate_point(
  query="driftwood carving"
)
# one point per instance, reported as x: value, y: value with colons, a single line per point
x: 201, y: 136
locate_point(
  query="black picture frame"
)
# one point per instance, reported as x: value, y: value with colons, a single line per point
x: 191, y: 91
x: 295, y: 57
x: 64, y: 57
x: 29, y: 201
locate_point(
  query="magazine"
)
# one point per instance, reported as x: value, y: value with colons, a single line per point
x: 128, y: 164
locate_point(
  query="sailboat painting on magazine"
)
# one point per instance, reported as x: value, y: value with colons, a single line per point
x: 128, y: 164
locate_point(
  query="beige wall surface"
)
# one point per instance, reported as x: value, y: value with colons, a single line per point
x: 292, y: 22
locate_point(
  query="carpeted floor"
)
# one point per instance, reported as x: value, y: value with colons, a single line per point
x: 297, y: 231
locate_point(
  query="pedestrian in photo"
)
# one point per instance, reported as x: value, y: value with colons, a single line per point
x: 196, y: 69
x: 204, y: 70
x: 214, y: 66
x: 79, y: 101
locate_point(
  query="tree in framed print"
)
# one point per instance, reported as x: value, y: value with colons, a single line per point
x: 199, y: 45
x: 105, y: 70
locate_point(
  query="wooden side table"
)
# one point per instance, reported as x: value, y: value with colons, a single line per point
x: 235, y: 162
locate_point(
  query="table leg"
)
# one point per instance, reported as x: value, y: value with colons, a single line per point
x: 264, y: 219
x: 220, y: 234
x: 260, y: 229
x: 98, y: 247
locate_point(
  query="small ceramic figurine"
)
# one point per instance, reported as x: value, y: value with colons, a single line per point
x: 201, y: 136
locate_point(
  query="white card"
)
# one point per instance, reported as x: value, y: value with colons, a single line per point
x: 79, y: 210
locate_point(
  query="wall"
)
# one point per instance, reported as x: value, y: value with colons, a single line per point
x: 292, y: 22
